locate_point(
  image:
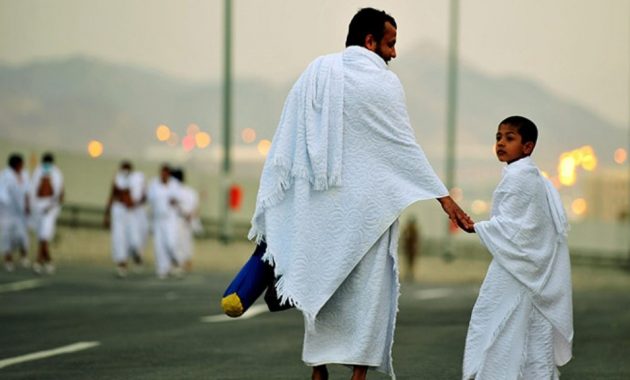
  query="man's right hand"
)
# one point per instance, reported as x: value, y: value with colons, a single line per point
x: 456, y: 214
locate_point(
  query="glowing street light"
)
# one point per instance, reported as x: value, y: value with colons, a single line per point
x: 248, y: 135
x: 95, y: 148
x: 163, y: 132
x: 202, y: 139
x: 579, y: 206
x: 264, y: 146
x: 566, y: 170
x: 188, y: 143
x: 621, y: 156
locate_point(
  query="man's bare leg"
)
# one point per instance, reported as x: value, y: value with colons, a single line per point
x: 320, y: 372
x: 359, y: 372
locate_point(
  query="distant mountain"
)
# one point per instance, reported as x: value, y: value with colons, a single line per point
x: 63, y: 104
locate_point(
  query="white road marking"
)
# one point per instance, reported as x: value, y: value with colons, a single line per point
x: 79, y: 346
x: 250, y: 313
x: 20, y: 285
x: 430, y: 294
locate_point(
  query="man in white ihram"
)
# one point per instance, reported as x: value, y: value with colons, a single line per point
x: 46, y: 198
x: 14, y: 211
x: 343, y: 166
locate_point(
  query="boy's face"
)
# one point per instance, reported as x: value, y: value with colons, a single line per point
x: 509, y: 146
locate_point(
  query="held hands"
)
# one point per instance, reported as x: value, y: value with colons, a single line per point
x: 456, y: 214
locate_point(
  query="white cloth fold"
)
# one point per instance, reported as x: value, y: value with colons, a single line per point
x: 318, y: 230
x: 531, y: 268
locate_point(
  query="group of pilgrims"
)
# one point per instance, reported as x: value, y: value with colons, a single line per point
x: 173, y: 221
x: 165, y: 207
x: 29, y: 201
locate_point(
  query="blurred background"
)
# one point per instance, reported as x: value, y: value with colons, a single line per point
x: 96, y: 82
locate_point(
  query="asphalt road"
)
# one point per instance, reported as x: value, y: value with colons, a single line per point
x: 144, y: 328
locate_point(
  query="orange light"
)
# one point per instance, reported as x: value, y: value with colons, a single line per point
x: 457, y: 194
x: 202, y: 139
x: 95, y: 148
x: 188, y: 143
x: 264, y: 146
x: 621, y: 155
x: 248, y: 135
x: 479, y: 207
x: 566, y: 169
x: 163, y: 132
x: 579, y: 206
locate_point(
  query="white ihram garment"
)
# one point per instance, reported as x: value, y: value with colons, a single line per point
x: 13, y: 222
x: 45, y: 210
x: 139, y: 218
x: 123, y: 223
x: 165, y: 223
x: 522, y: 323
x: 188, y: 204
x: 343, y: 165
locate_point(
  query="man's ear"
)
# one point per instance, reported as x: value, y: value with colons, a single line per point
x: 528, y: 147
x: 370, y: 42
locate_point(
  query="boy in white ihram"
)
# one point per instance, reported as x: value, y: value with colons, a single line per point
x: 522, y: 323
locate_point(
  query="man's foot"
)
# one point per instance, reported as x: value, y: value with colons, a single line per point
x: 320, y: 372
x: 359, y: 372
x: 8, y: 266
x: 49, y: 268
x: 121, y: 272
x: 38, y: 268
x: 26, y: 263
x: 177, y: 272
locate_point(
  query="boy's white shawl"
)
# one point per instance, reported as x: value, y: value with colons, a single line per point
x: 526, y: 236
x: 343, y: 165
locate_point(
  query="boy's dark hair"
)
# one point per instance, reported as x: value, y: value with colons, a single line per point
x: 15, y: 160
x: 48, y: 158
x: 367, y: 21
x: 525, y: 127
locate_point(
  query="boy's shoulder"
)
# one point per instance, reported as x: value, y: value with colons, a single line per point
x: 522, y: 176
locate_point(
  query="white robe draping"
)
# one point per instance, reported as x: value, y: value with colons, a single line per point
x: 129, y: 225
x: 164, y: 220
x: 528, y: 285
x: 188, y: 203
x: 46, y: 209
x: 13, y: 218
x: 343, y: 165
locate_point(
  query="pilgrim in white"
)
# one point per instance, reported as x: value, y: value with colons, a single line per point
x: 522, y: 323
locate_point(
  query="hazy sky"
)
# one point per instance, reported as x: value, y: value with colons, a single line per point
x: 579, y: 49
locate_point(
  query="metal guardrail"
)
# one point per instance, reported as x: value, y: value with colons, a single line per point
x: 86, y: 216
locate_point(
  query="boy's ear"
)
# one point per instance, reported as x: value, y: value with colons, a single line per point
x: 528, y: 147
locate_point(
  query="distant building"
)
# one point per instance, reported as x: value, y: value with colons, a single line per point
x: 606, y: 194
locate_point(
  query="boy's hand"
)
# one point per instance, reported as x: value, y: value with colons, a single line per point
x: 456, y: 214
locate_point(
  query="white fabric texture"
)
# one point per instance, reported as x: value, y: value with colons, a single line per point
x: 372, y: 290
x: 317, y: 230
x: 165, y: 223
x: 46, y: 209
x: 188, y: 204
x: 13, y: 222
x: 528, y: 283
x: 129, y: 226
